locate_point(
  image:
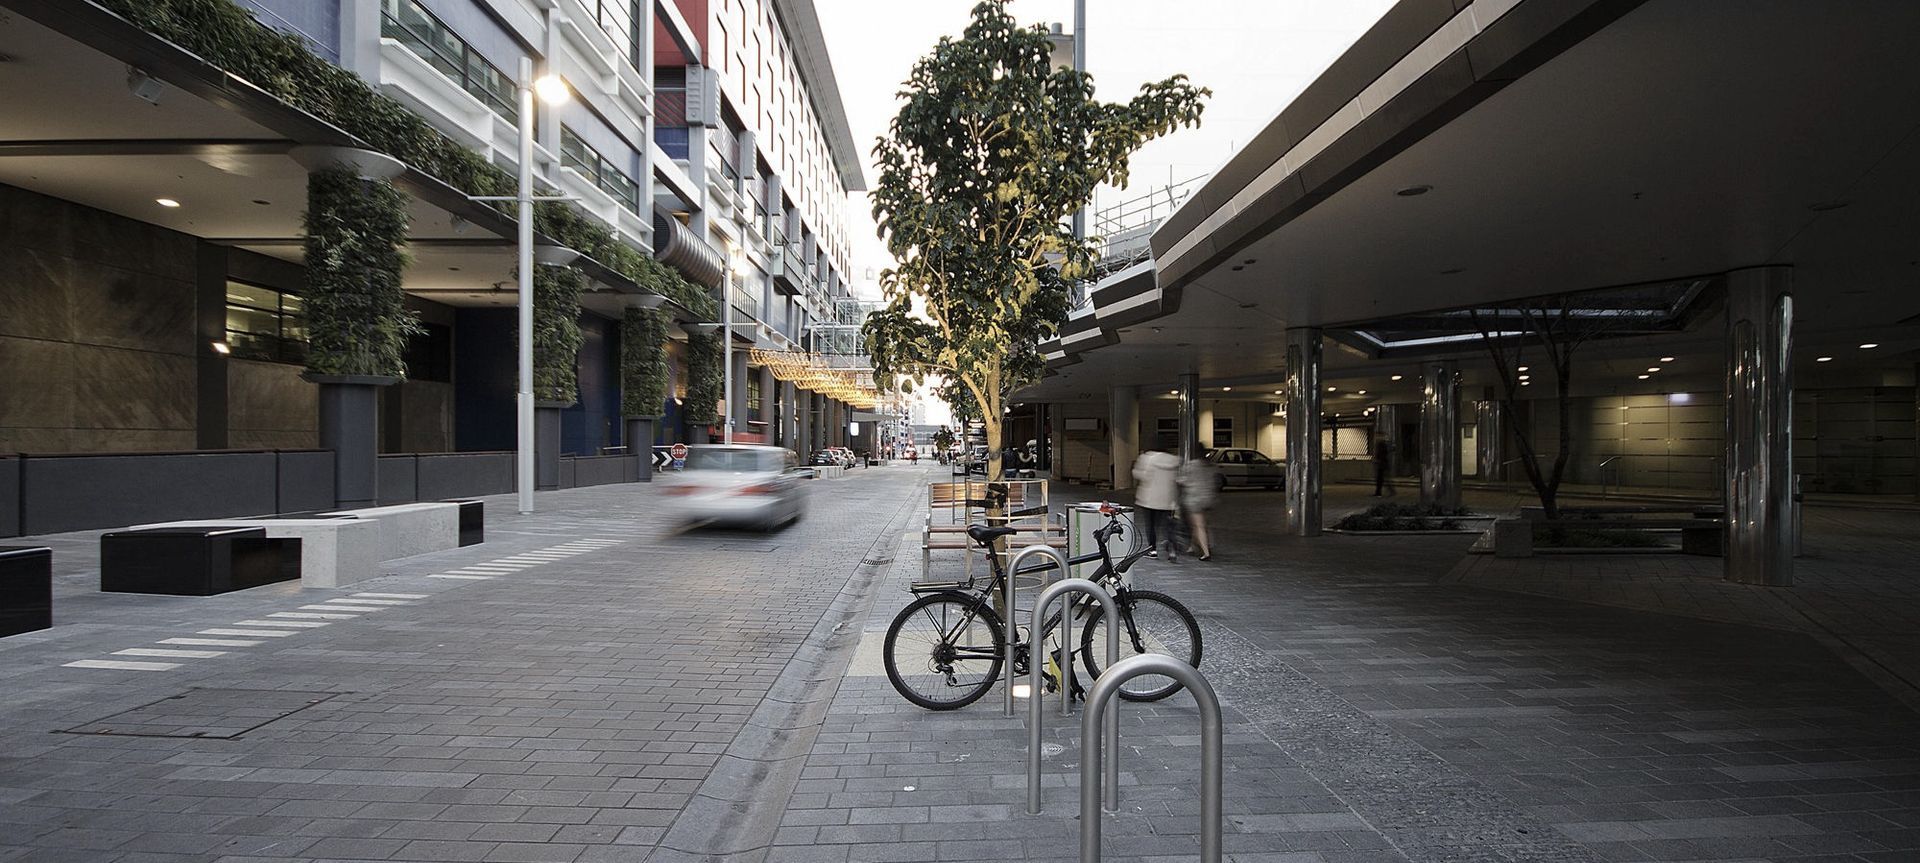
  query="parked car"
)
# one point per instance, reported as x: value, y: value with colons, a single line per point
x: 1247, y: 467
x: 740, y: 484
x: 826, y: 458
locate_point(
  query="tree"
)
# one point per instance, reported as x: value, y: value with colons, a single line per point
x: 1559, y: 326
x: 943, y: 440
x: 992, y: 151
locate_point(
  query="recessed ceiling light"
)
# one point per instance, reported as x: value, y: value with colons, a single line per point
x: 1333, y: 389
x: 1666, y: 359
x: 1828, y: 206
x: 1823, y: 359
x: 1523, y: 368
x: 1526, y: 383
x: 262, y: 202
x: 1397, y: 377
x: 1279, y: 392
x: 1226, y: 389
x: 1644, y: 377
x: 1237, y: 267
x: 1360, y: 392
x: 1414, y: 191
x: 1651, y: 369
x: 1869, y: 346
x: 453, y: 269
x: 1453, y: 271
x: 1247, y: 261
x: 166, y: 202
x: 1173, y: 392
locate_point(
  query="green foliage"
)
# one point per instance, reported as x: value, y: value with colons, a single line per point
x: 944, y: 438
x: 556, y: 333
x: 226, y: 35
x: 993, y: 149
x: 643, y: 362
x: 705, y: 386
x: 1404, y: 516
x: 357, y: 319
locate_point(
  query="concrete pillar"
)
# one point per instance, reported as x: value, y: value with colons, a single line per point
x: 1440, y: 434
x: 1123, y: 433
x: 546, y: 447
x: 1489, y: 439
x: 1190, y: 445
x: 349, y: 425
x: 1303, y: 431
x: 737, y: 410
x: 1759, y: 423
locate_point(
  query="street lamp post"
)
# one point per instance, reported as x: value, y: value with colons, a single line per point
x: 553, y: 91
x: 726, y: 339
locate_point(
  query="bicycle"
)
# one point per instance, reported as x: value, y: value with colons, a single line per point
x: 945, y: 649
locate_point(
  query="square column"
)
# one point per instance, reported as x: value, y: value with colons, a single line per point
x: 1123, y: 433
x: 1759, y: 422
x: 1440, y: 434
x: 1303, y: 431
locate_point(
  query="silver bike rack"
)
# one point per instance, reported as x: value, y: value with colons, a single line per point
x: 1064, y: 655
x: 1012, y: 632
x: 1104, y: 689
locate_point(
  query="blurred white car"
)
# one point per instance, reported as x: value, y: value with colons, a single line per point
x: 740, y: 484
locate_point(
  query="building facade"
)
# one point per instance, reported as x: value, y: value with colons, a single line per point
x: 150, y: 249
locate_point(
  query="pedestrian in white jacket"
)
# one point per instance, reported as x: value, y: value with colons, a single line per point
x: 1156, y: 491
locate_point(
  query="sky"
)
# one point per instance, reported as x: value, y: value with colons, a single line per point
x: 1255, y: 55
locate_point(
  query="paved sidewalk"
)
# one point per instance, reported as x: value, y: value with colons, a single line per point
x: 577, y: 694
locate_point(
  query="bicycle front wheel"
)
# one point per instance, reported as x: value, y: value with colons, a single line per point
x: 1150, y: 622
x: 943, y: 651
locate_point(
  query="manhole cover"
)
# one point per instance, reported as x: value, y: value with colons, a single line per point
x: 211, y: 713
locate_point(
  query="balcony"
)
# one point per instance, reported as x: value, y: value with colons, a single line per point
x: 418, y: 84
x: 721, y: 181
x: 789, y: 273
x: 590, y: 197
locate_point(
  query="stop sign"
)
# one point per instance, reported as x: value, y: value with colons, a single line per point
x: 679, y: 451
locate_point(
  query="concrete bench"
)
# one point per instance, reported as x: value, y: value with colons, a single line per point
x: 411, y: 528
x: 334, y: 552
x: 26, y: 589
x: 195, y: 561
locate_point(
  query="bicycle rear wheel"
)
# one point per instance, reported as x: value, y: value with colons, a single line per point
x: 1151, y: 622
x: 943, y: 651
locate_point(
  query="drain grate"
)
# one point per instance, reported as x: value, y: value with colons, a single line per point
x: 218, y: 714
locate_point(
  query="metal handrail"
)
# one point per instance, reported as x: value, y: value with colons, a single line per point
x: 1064, y: 656
x: 1604, y: 464
x: 1211, y: 761
x: 1007, y: 592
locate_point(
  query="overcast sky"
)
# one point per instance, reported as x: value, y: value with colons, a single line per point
x: 1256, y: 55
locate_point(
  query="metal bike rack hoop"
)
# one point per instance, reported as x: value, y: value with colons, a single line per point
x: 1011, y: 635
x: 1064, y: 656
x: 1104, y: 689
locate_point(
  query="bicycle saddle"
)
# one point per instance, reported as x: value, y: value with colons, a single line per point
x: 983, y: 534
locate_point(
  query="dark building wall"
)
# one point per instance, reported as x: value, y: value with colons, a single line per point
x: 97, y: 330
x: 270, y: 407
x: 594, y: 422
x: 484, y: 380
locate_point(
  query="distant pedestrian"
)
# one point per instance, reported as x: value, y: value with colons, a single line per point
x: 1199, y: 491
x: 913, y: 457
x: 1382, y: 465
x: 1156, y: 491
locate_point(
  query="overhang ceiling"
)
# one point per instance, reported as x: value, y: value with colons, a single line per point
x: 1688, y: 137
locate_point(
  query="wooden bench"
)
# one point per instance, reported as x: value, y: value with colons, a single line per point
x: 1023, y: 505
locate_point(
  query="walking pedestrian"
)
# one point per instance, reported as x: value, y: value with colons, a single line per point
x: 1199, y: 491
x: 1382, y: 463
x: 1156, y: 491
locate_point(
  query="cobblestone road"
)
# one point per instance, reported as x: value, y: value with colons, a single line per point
x: 579, y: 689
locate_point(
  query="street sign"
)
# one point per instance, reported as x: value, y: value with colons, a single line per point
x: 661, y: 460
x: 679, y: 451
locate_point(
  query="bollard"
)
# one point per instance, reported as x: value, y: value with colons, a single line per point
x: 1211, y: 761
x: 1111, y: 609
x: 1012, y: 635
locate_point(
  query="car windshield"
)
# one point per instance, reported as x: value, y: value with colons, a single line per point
x: 737, y: 460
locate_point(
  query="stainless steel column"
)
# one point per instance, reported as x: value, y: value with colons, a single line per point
x: 1303, y: 431
x: 1489, y: 438
x: 1759, y: 422
x: 1123, y: 433
x: 1190, y: 416
x: 1440, y: 434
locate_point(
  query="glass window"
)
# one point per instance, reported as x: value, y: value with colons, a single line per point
x: 407, y: 22
x: 265, y: 324
x: 575, y: 154
x: 1223, y: 431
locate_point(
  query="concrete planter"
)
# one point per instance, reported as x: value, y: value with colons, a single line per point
x: 639, y: 438
x: 350, y: 426
x: 546, y: 444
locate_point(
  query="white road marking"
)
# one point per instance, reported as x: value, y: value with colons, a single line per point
x: 464, y: 577
x: 309, y: 615
x: 270, y: 633
x: 180, y: 654
x: 122, y: 665
x: 380, y: 602
x: 211, y: 642
x: 331, y: 606
x: 396, y: 595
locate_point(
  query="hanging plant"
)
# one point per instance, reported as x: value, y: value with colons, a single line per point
x: 643, y: 362
x: 704, y: 384
x: 357, y: 319
x: 556, y: 333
